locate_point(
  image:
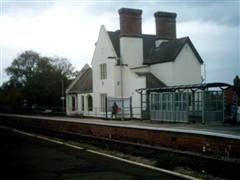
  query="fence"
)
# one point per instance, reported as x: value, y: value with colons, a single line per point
x: 124, y: 105
x: 39, y: 110
x: 59, y: 111
x: 97, y: 112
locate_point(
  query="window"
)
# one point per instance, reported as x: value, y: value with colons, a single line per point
x: 82, y: 103
x: 73, y: 103
x: 103, y: 102
x: 103, y: 71
x: 90, y: 103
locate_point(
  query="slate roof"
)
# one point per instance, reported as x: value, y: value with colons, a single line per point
x: 148, y: 45
x: 151, y: 80
x: 166, y: 52
x: 84, y: 83
x: 115, y: 36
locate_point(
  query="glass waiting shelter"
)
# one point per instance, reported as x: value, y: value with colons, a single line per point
x: 186, y: 103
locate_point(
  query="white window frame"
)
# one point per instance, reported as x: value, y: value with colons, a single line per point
x: 103, y: 71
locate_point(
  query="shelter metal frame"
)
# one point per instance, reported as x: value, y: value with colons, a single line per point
x: 202, y: 100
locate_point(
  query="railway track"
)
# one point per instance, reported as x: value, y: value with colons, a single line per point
x: 27, y: 155
x: 203, y: 167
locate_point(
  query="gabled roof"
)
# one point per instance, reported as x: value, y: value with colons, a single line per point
x: 166, y: 52
x: 83, y: 82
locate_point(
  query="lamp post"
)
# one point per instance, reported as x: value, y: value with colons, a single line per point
x: 119, y: 61
x: 62, y: 97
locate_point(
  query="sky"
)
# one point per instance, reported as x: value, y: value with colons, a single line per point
x: 70, y: 29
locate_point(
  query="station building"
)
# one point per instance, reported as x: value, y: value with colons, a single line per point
x: 125, y: 60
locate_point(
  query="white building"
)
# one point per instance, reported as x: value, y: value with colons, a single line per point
x: 126, y: 60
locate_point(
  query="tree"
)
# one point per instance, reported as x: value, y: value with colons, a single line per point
x: 38, y: 79
x: 10, y: 94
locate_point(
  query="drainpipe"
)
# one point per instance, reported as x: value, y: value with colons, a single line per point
x: 203, y: 107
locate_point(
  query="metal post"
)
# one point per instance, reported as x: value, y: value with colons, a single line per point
x: 173, y: 115
x: 223, y: 107
x: 131, y: 113
x: 193, y: 104
x: 141, y: 104
x: 203, y: 107
x: 106, y: 110
x: 121, y: 81
x: 205, y: 74
x: 62, y: 95
x: 187, y: 106
x: 147, y: 104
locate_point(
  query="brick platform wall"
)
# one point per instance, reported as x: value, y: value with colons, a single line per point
x: 187, y: 142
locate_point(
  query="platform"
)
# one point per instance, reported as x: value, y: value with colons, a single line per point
x: 218, y: 141
x: 221, y: 130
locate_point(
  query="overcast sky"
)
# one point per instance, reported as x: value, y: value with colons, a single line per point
x: 70, y: 29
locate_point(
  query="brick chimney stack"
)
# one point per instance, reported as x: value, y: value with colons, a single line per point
x: 130, y: 22
x: 165, y: 25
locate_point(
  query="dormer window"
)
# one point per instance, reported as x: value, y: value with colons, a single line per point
x: 103, y: 71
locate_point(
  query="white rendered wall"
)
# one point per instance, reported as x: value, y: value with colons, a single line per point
x: 79, y: 110
x: 86, y: 112
x: 69, y: 110
x: 79, y: 100
x: 163, y: 72
x: 131, y: 50
x: 103, y: 50
x: 141, y: 69
x: 68, y: 107
x: 112, y: 85
x: 186, y: 68
x: 131, y: 82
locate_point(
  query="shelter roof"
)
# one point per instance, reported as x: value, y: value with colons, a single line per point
x: 83, y: 83
x: 192, y: 87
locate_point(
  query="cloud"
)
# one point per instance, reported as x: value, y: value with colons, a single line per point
x: 70, y: 29
x: 60, y: 29
x: 218, y: 45
x: 221, y: 12
x: 26, y: 8
x: 225, y: 12
x: 63, y: 30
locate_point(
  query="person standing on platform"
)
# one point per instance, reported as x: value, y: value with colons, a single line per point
x: 114, y: 110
